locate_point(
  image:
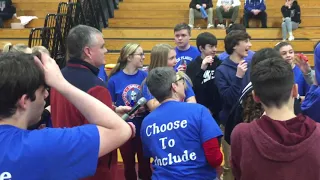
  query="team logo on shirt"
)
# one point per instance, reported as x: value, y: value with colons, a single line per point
x: 131, y: 94
x: 208, y: 75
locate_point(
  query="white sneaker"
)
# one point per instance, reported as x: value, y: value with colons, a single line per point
x: 220, y: 26
x: 210, y: 26
x: 283, y: 40
x: 291, y: 38
x: 191, y: 26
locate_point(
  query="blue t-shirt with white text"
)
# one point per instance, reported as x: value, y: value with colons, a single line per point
x: 173, y: 135
x: 51, y: 153
x: 189, y: 55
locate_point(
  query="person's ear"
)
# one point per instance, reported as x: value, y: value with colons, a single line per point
x: 23, y: 102
x: 87, y: 51
x: 174, y: 87
x: 255, y: 98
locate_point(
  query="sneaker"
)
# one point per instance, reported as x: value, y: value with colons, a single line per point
x: 220, y: 26
x: 191, y: 26
x: 210, y: 26
x: 291, y: 38
x: 283, y: 40
x: 230, y: 24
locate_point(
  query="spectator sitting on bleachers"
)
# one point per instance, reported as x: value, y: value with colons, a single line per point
x: 291, y: 18
x: 255, y: 9
x: 7, y: 11
x: 227, y: 9
x: 233, y: 27
x: 16, y: 48
x: 194, y: 11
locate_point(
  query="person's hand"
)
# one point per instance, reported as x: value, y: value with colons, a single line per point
x: 302, y: 62
x: 204, y: 6
x: 227, y: 9
x: 182, y: 68
x: 206, y: 61
x: 255, y: 11
x: 52, y: 73
x: 121, y: 110
x: 242, y: 69
x: 198, y: 6
x: 286, y: 4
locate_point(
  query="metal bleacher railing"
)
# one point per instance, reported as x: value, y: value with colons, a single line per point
x: 52, y: 35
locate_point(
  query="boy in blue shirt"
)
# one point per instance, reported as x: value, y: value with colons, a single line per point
x: 255, y: 9
x: 68, y: 153
x: 185, y: 52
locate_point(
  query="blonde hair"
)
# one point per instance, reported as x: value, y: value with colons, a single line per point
x: 40, y: 49
x: 159, y: 56
x: 16, y: 48
x: 126, y: 51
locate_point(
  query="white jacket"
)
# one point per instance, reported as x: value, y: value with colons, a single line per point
x: 233, y: 3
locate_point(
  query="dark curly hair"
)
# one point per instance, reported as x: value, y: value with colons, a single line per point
x: 251, y: 109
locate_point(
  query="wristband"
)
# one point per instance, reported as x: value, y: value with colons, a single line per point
x: 132, y: 130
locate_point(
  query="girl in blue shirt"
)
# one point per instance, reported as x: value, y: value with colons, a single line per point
x: 287, y: 53
x: 124, y: 86
x: 164, y: 55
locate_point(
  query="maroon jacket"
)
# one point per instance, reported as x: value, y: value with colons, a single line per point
x: 267, y: 149
x: 64, y: 114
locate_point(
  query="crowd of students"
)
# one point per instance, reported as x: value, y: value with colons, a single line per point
x: 264, y: 104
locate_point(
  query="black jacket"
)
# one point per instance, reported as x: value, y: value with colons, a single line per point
x: 193, y: 3
x: 294, y: 12
x: 204, y: 87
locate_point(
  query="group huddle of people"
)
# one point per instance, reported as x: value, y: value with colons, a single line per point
x: 253, y: 9
x: 263, y: 104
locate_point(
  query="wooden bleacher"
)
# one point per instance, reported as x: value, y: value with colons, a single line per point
x: 150, y: 22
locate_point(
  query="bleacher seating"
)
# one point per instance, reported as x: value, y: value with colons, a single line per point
x: 150, y: 22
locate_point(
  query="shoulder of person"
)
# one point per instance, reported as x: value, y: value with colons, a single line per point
x: 242, y: 130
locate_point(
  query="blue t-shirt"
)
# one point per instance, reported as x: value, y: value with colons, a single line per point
x: 224, y: 55
x: 51, y: 153
x: 146, y: 93
x: 303, y: 86
x: 173, y: 135
x: 189, y: 55
x: 125, y: 90
x: 102, y: 74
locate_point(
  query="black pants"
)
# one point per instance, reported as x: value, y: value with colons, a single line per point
x: 262, y: 16
x: 4, y: 17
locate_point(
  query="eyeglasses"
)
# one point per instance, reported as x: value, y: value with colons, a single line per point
x: 181, y: 78
x: 140, y: 54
